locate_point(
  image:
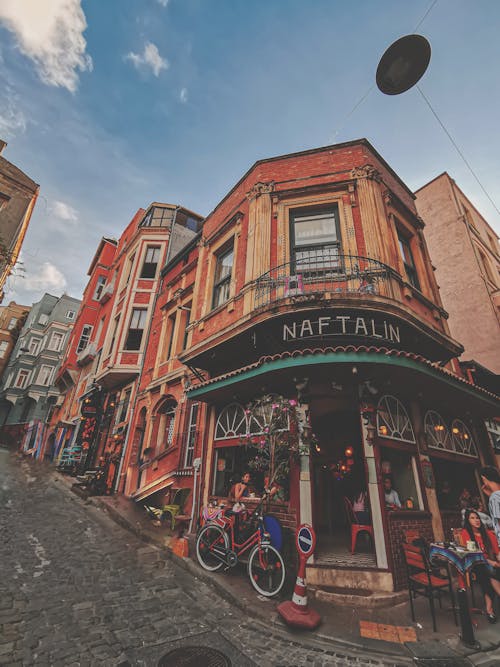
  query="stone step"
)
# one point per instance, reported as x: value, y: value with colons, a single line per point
x: 361, y: 597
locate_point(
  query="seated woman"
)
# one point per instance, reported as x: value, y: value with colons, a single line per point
x: 360, y: 508
x: 240, y: 489
x: 486, y: 574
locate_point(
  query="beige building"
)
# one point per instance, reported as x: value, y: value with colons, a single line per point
x: 464, y: 250
x: 12, y: 318
x: 18, y: 195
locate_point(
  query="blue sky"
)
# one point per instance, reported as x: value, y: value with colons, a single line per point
x: 111, y: 105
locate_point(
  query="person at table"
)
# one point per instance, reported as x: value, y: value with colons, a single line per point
x: 241, y: 489
x: 486, y: 574
x: 465, y: 498
x: 490, y: 478
x: 360, y: 508
x: 477, y: 504
x: 392, y: 501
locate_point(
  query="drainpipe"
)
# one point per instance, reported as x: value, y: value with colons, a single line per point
x: 141, y: 370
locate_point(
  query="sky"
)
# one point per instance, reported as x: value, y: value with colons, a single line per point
x: 110, y: 105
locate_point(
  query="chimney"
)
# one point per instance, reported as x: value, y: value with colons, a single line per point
x: 2, y: 145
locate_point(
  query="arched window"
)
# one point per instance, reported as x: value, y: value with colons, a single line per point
x: 231, y: 422
x: 393, y: 421
x: 436, y: 431
x: 462, y: 441
x: 263, y: 413
x: 166, y: 412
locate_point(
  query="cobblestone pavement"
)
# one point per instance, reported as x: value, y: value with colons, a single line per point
x: 76, y: 589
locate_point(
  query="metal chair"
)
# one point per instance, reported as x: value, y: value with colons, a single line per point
x: 422, y: 581
x: 356, y: 527
x: 177, y: 506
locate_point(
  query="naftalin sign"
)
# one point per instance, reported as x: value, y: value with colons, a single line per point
x: 345, y: 325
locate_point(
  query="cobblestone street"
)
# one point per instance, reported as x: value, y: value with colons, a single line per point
x: 77, y: 589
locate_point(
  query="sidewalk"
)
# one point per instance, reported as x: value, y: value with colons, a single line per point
x: 381, y: 632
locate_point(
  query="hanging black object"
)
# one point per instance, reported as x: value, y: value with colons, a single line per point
x: 403, y: 64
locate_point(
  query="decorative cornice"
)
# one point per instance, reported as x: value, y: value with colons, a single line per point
x: 366, y: 171
x: 259, y: 189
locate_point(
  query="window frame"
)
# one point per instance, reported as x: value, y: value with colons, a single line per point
x: 141, y: 314
x: 191, y: 435
x: 295, y: 265
x: 34, y: 343
x: 147, y: 266
x: 3, y: 350
x: 101, y: 282
x: 48, y: 378
x: 80, y: 347
x: 405, y: 242
x: 12, y: 323
x: 23, y: 385
x: 52, y: 337
x: 222, y: 284
x: 70, y: 314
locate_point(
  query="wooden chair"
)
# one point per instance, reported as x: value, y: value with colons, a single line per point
x: 356, y: 527
x: 422, y: 581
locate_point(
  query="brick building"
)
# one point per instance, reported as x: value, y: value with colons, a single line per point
x: 12, y: 318
x: 18, y: 194
x: 311, y: 281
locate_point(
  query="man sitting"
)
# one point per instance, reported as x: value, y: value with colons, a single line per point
x: 392, y: 501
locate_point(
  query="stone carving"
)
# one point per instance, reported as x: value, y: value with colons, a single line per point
x: 260, y: 189
x: 366, y: 171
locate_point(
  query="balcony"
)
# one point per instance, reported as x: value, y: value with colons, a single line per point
x: 317, y: 274
x: 106, y: 293
x: 87, y: 355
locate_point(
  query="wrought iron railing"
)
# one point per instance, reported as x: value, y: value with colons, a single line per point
x: 320, y: 274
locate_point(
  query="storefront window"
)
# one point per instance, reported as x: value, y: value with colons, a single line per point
x: 393, y: 421
x: 436, y: 431
x: 400, y: 468
x: 462, y: 440
x: 231, y: 423
x: 230, y: 464
x: 456, y: 484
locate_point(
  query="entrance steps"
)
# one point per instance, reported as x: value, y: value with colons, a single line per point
x: 360, y: 597
x: 360, y: 587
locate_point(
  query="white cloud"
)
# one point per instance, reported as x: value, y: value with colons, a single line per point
x: 12, y: 119
x: 64, y: 211
x: 47, y: 278
x: 163, y: 3
x: 183, y: 95
x: 149, y: 58
x: 51, y: 34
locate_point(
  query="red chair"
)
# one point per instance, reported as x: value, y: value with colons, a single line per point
x: 356, y: 527
x: 422, y: 581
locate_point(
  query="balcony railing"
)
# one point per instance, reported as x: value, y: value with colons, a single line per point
x: 317, y: 274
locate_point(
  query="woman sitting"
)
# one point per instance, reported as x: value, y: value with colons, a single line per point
x: 486, y: 574
x: 240, y: 489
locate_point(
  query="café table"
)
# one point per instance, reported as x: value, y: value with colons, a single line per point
x: 463, y: 560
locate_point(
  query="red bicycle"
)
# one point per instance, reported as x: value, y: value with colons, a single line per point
x: 221, y: 543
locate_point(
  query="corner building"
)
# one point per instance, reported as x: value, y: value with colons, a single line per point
x: 311, y: 280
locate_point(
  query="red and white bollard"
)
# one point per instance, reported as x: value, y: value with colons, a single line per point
x: 296, y: 612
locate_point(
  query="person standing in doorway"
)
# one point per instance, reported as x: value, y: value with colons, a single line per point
x: 392, y: 501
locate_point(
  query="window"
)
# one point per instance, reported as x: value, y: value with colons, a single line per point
x: 158, y: 217
x: 129, y: 268
x: 486, y: 267
x: 493, y: 243
x: 191, y: 435
x: 222, y: 278
x: 45, y: 375
x: 101, y: 281
x: 56, y: 341
x: 231, y: 422
x: 493, y: 429
x: 22, y: 378
x: 12, y: 323
x: 70, y: 315
x: 171, y: 329
x: 393, y: 421
x: 121, y: 414
x: 400, y: 468
x: 167, y: 421
x: 150, y: 261
x: 462, y: 441
x: 315, y: 241
x: 3, y: 348
x: 409, y: 264
x: 187, y: 317
x: 84, y: 338
x: 136, y: 329
x: 43, y: 319
x: 436, y: 432
x: 34, y: 346
x: 113, y: 337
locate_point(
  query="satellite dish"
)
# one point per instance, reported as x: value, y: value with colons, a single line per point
x: 403, y: 64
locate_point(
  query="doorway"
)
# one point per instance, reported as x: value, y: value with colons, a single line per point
x: 338, y: 474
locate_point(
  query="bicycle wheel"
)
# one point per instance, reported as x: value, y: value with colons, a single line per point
x: 266, y: 570
x: 211, y: 540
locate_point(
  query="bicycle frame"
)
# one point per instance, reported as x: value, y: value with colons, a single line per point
x: 259, y: 536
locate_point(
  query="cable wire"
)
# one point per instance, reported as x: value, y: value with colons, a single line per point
x: 424, y: 16
x: 469, y: 167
